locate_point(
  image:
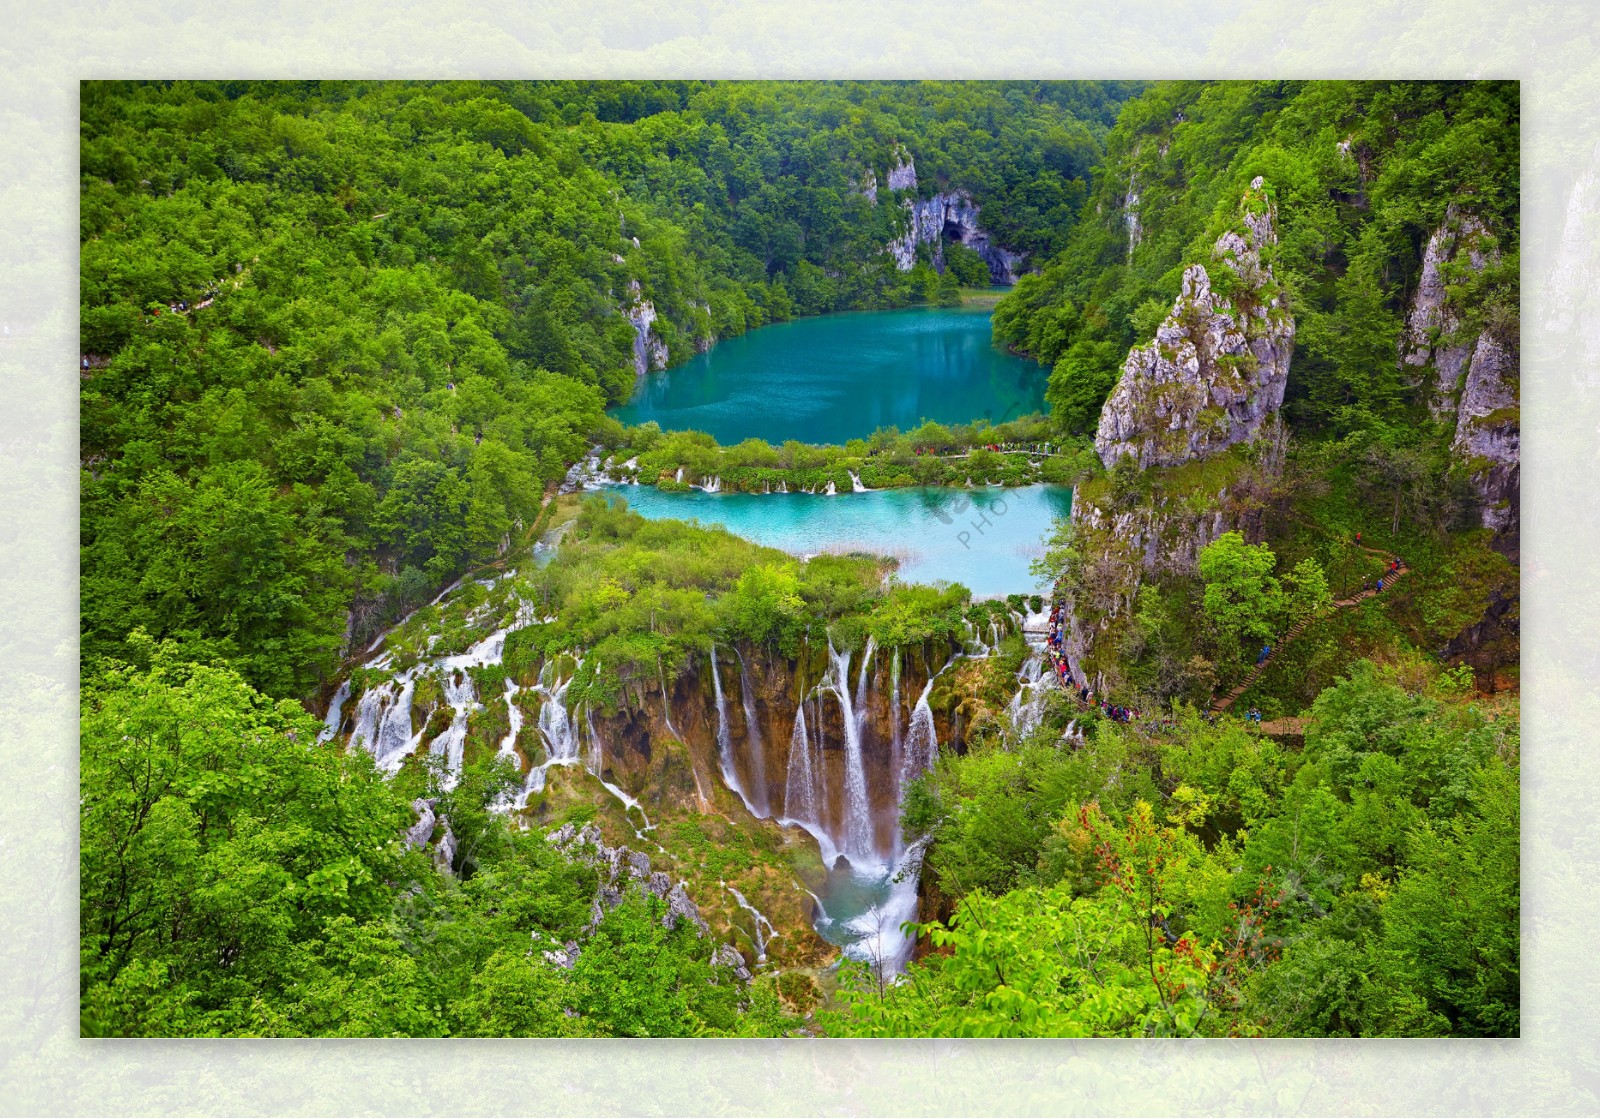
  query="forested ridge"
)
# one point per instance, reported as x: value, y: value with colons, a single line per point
x: 338, y: 337
x: 1364, y: 173
x: 341, y: 340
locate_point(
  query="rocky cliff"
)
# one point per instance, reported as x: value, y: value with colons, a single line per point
x: 1196, y: 411
x: 1468, y: 376
x: 1216, y: 370
x: 649, y: 351
x: 947, y: 216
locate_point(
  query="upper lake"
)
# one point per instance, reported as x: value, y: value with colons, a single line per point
x: 833, y: 378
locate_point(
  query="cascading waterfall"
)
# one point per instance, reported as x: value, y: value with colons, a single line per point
x: 383, y: 722
x: 330, y: 725
x: 730, y: 771
x: 756, y: 748
x: 508, y: 748
x: 858, y: 837
x: 855, y: 482
x: 758, y: 920
x: 922, y: 738
x: 451, y: 745
x: 801, y: 802
x: 1027, y: 705
x: 555, y: 726
x: 896, y: 745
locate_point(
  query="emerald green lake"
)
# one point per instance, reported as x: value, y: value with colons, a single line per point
x: 982, y: 538
x: 838, y: 377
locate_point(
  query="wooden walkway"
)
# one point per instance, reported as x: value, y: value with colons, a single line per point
x: 1389, y: 579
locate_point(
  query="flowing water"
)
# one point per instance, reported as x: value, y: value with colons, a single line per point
x: 834, y: 378
x: 983, y: 539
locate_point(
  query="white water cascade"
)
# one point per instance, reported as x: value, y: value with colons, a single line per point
x: 922, y: 739
x: 855, y: 482
x: 758, y: 921
x: 803, y: 797
x: 858, y: 838
x: 757, y: 749
x: 1027, y: 705
x: 725, y: 758
x: 383, y: 722
x: 330, y: 725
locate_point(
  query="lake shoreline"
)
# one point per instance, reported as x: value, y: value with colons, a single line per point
x: 984, y: 538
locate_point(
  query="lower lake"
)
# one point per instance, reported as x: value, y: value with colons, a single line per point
x: 982, y: 538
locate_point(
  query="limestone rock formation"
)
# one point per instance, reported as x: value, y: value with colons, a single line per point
x: 1432, y: 335
x: 1488, y: 436
x: 903, y: 171
x: 867, y: 186
x: 952, y: 215
x: 1468, y: 378
x: 618, y: 868
x: 1216, y: 371
x: 649, y: 351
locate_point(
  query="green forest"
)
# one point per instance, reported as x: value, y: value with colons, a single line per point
x: 342, y: 343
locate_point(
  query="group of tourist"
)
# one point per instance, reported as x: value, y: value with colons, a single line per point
x: 1058, y: 659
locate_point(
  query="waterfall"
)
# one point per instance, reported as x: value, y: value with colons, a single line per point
x: 451, y: 745
x: 831, y: 491
x: 1027, y: 705
x: 508, y: 750
x: 383, y: 722
x: 895, y: 743
x: 758, y: 919
x: 922, y: 738
x: 855, y: 482
x: 679, y: 478
x: 730, y: 771
x: 555, y: 728
x: 555, y: 724
x: 508, y: 744
x: 800, y: 800
x: 330, y: 725
x: 753, y: 743
x: 858, y: 838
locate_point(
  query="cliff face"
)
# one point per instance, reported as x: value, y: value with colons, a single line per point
x: 1205, y: 391
x: 948, y: 215
x: 666, y: 747
x: 649, y: 351
x: 1469, y: 378
x: 1217, y: 368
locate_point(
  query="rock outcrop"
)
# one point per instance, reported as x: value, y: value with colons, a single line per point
x: 1215, y: 373
x: 1469, y: 378
x: 903, y: 171
x: 649, y: 351
x: 1208, y: 386
x: 867, y: 186
x: 947, y: 216
x: 1488, y: 439
x: 421, y: 833
x: 953, y: 216
x: 618, y: 868
x: 1433, y: 337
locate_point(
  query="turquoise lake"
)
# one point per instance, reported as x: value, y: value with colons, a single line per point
x: 982, y: 538
x: 838, y: 377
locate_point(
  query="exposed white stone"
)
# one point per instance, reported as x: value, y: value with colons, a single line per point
x: 953, y: 213
x: 903, y: 171
x: 649, y: 351
x: 1218, y: 365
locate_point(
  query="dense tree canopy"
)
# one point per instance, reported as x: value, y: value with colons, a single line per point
x: 349, y: 331
x: 1364, y: 172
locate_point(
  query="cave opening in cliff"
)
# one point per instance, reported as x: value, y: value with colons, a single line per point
x: 953, y: 231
